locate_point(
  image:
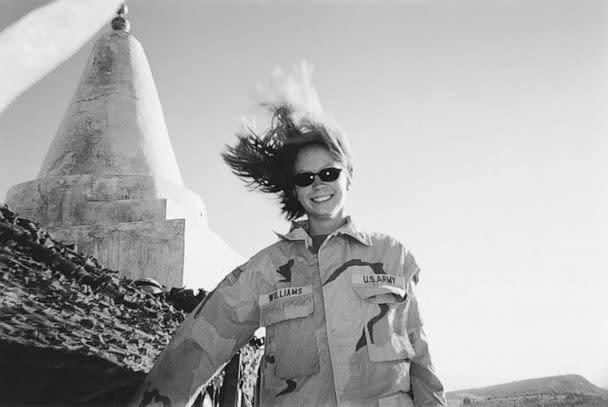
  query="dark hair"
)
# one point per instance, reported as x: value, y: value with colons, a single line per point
x: 266, y: 162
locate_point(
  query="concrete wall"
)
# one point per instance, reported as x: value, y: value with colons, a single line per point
x: 175, y: 252
x: 91, y: 199
x: 136, y: 249
x: 138, y: 225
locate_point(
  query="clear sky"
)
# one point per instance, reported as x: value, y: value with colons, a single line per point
x: 479, y: 136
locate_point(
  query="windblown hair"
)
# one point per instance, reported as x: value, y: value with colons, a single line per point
x: 266, y: 162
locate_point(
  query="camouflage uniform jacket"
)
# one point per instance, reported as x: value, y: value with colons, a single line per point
x: 342, y: 327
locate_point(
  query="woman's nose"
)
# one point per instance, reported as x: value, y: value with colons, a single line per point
x: 316, y: 181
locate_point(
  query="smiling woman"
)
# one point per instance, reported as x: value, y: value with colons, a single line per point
x: 324, y: 191
x: 341, y: 317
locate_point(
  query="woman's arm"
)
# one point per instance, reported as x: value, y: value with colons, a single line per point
x: 218, y: 327
x: 426, y: 388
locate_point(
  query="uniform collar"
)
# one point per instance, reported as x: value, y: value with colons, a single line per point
x: 298, y: 232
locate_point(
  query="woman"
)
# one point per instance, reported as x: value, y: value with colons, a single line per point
x: 343, y: 326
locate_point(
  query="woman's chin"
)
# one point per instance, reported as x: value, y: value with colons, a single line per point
x: 327, y: 214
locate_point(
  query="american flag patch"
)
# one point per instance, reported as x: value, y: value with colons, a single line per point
x: 232, y: 276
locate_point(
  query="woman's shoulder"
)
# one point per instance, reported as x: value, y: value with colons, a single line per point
x: 271, y: 255
x: 383, y: 240
x: 390, y: 247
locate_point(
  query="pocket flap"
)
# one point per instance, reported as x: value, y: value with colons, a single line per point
x: 285, y: 303
x: 379, y: 288
x: 399, y: 399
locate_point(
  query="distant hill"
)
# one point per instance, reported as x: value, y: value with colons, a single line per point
x: 568, y: 390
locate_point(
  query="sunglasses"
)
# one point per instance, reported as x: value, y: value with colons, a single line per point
x: 305, y: 179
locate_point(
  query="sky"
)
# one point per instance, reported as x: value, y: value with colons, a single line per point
x: 478, y: 134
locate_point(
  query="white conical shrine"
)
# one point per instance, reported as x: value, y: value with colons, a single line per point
x: 111, y: 184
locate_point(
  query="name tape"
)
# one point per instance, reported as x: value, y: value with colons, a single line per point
x: 287, y: 292
x: 379, y: 279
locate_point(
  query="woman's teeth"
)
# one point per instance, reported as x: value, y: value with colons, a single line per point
x: 321, y: 198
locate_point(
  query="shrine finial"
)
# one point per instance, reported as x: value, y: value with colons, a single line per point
x: 120, y: 23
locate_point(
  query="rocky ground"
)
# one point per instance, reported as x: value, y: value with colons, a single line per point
x: 555, y: 391
x: 539, y: 400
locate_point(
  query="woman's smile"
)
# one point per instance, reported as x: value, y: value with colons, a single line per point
x: 322, y: 198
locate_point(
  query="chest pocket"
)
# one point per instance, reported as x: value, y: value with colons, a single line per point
x: 287, y: 314
x: 384, y: 304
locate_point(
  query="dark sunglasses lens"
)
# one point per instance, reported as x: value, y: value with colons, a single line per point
x: 304, y: 179
x: 330, y: 174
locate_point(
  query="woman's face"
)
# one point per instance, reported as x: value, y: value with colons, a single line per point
x: 321, y: 199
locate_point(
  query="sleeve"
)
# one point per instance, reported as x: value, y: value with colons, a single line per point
x: 426, y: 388
x: 217, y: 328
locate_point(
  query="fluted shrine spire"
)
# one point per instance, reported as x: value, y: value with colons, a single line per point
x: 114, y: 123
